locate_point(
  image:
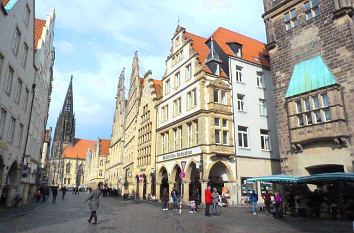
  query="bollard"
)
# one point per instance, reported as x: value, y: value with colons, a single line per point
x: 180, y: 207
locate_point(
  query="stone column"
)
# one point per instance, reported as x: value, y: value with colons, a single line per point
x: 204, y: 185
x: 25, y: 193
x: 11, y: 195
x: 158, y: 190
x: 186, y: 190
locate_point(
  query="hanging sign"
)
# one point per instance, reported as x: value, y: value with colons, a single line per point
x: 183, y: 164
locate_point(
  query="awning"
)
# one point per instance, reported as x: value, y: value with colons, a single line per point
x: 281, y: 178
x: 326, y: 178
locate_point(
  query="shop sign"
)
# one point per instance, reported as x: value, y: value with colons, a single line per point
x: 179, y: 154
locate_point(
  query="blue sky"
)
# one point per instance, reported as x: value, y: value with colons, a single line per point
x: 94, y: 40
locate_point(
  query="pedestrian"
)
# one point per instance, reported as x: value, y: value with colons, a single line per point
x: 253, y: 199
x: 164, y: 199
x: 196, y: 198
x: 63, y: 192
x: 174, y: 195
x: 278, y: 200
x: 215, y: 196
x: 267, y: 200
x: 54, y: 193
x: 94, y: 203
x: 208, y: 200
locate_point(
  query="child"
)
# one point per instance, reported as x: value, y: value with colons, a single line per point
x: 193, y: 208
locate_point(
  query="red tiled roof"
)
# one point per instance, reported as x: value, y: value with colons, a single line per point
x: 4, y: 2
x: 104, y: 146
x: 252, y: 50
x: 158, y: 87
x: 199, y: 45
x: 79, y: 149
x: 38, y: 29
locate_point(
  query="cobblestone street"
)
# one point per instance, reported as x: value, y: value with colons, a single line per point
x: 115, y: 215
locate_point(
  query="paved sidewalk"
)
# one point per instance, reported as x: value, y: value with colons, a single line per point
x: 119, y: 216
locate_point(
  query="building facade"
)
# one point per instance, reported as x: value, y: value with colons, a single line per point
x: 19, y: 73
x: 311, y: 48
x: 44, y: 62
x: 95, y: 164
x: 194, y: 135
x: 246, y: 63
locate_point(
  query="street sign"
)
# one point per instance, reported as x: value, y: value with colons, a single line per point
x: 182, y: 175
x: 183, y: 163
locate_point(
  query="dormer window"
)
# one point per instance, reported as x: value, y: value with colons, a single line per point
x: 311, y: 9
x: 236, y: 48
x: 177, y: 41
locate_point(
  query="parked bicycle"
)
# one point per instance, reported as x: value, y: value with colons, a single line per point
x: 245, y: 201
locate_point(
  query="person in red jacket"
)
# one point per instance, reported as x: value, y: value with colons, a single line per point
x: 208, y: 200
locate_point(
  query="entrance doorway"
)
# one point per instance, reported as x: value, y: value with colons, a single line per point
x: 218, y: 176
x: 164, y: 181
x: 195, y: 185
x: 178, y: 181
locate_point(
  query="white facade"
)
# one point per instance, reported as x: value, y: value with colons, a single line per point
x: 17, y: 75
x: 253, y: 108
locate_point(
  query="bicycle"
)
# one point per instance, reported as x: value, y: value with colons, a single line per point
x: 245, y: 201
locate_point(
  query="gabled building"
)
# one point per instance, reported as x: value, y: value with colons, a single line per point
x: 194, y: 131
x: 311, y: 48
x: 95, y: 164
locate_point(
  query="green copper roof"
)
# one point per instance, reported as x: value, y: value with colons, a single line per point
x: 309, y: 75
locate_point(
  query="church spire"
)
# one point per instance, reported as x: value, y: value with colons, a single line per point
x: 68, y: 102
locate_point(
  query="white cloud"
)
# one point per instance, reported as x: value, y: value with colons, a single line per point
x: 64, y: 47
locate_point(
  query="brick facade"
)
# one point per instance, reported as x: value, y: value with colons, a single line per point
x: 330, y: 35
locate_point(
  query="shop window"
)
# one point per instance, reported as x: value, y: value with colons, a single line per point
x: 246, y: 188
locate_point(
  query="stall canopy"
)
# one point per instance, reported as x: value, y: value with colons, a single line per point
x: 327, y: 178
x: 313, y: 179
x: 281, y: 178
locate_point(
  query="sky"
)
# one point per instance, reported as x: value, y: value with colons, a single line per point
x: 94, y: 40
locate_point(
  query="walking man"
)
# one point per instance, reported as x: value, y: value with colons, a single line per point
x: 94, y: 203
x: 54, y: 193
x: 215, y: 196
x: 208, y: 200
x: 253, y: 199
x: 174, y: 196
x: 63, y: 192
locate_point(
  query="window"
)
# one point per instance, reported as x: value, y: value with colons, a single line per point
x: 188, y: 72
x: 290, y: 19
x: 327, y: 115
x: 307, y: 104
x: 64, y: 180
x: 216, y: 95
x: 196, y: 132
x: 241, y: 103
x: 223, y: 97
x: 26, y: 15
x: 180, y: 137
x: 26, y: 100
x: 175, y: 141
x: 177, y: 109
x: 190, y: 135
x: 167, y: 87
x: 100, y: 172
x: 224, y: 137
x: 224, y: 123
x: 177, y: 80
x: 217, y: 136
x: 265, y: 140
x: 316, y: 103
x: 18, y: 91
x: 318, y: 116
x: 20, y: 134
x: 325, y: 101
x: 262, y: 107
x: 3, y: 114
x: 300, y: 120
x: 101, y: 162
x: 308, y: 118
x: 68, y: 180
x: 217, y: 121
x: 16, y: 41
x: 8, y: 81
x: 167, y: 140
x: 177, y: 41
x: 298, y: 106
x: 260, y: 80
x: 163, y: 143
x: 192, y: 99
x: 311, y: 9
x: 24, y: 53
x: 236, y: 48
x: 10, y: 130
x: 242, y: 137
x: 238, y: 74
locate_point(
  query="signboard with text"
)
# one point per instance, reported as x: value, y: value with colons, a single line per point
x: 179, y: 154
